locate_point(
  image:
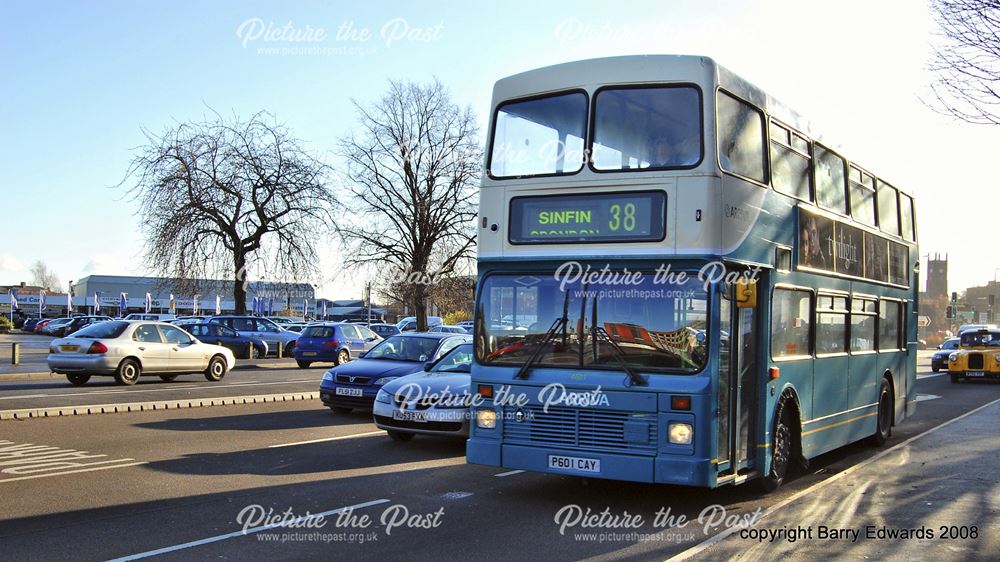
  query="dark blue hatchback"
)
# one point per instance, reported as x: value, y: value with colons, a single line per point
x: 355, y: 384
x: 333, y: 343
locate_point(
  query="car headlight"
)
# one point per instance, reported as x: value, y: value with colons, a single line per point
x: 997, y: 357
x: 383, y: 397
x: 953, y: 357
x: 680, y: 433
x: 383, y: 380
x: 328, y: 376
x: 486, y: 419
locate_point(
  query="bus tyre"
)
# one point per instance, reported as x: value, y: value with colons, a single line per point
x: 883, y: 429
x: 781, y: 450
x: 128, y: 372
x: 77, y: 379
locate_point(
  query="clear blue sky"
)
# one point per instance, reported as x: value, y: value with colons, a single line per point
x: 83, y: 79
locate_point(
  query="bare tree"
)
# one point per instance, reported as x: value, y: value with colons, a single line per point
x: 412, y: 172
x: 41, y: 276
x: 231, y: 199
x: 967, y: 63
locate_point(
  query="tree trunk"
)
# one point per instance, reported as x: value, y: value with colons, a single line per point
x: 239, y: 292
x: 420, y: 306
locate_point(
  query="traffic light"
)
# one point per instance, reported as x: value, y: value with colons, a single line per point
x: 949, y: 312
x: 954, y: 297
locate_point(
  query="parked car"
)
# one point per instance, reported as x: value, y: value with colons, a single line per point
x: 282, y: 320
x: 76, y: 323
x: 45, y: 326
x: 940, y: 358
x: 296, y: 327
x: 409, y: 324
x: 217, y: 334
x: 385, y: 330
x: 260, y: 328
x: 127, y: 349
x: 30, y: 323
x: 333, y: 342
x: 354, y: 384
x: 435, y: 401
x: 448, y: 329
x: 467, y: 324
x: 150, y: 316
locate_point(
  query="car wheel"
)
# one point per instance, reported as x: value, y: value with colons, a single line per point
x: 77, y: 379
x: 400, y: 436
x: 216, y: 369
x: 954, y: 377
x: 128, y: 372
x: 287, y: 352
x: 340, y: 410
x: 884, y: 428
x: 343, y: 356
x: 935, y: 368
x: 303, y: 364
x: 254, y: 352
x: 168, y: 378
x: 781, y: 450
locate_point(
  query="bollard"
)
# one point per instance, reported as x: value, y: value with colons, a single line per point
x: 15, y: 353
x: 281, y: 351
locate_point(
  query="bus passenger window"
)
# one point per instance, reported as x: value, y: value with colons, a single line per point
x: 741, y: 137
x: 888, y: 213
x: 791, y: 311
x: 888, y: 325
x: 829, y: 170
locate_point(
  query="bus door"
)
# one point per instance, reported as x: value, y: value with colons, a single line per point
x: 737, y: 380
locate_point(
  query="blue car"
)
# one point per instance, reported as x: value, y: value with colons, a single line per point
x: 210, y: 332
x: 333, y: 343
x: 355, y: 384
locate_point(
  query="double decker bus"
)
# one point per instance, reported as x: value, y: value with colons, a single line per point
x: 680, y: 283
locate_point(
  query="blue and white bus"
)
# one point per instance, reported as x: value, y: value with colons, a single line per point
x: 679, y: 282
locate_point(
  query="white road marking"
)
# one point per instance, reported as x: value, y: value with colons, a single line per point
x: 922, y: 377
x: 923, y: 397
x: 140, y: 389
x: 701, y: 547
x: 246, y: 532
x: 72, y: 471
x: 511, y: 473
x: 356, y: 435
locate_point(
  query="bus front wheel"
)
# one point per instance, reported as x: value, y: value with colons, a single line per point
x: 781, y: 450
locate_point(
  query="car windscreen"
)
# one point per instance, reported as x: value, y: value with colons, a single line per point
x: 458, y: 360
x: 404, y: 348
x: 318, y: 332
x: 102, y: 330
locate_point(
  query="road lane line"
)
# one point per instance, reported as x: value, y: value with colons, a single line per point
x: 706, y: 544
x: 511, y: 473
x: 72, y: 471
x: 245, y: 532
x: 922, y: 377
x: 370, y: 433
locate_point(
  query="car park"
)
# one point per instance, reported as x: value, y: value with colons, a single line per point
x: 76, y: 323
x: 384, y: 330
x: 260, y: 328
x: 128, y: 349
x: 45, y: 326
x: 436, y: 401
x: 30, y: 323
x: 355, y: 384
x: 217, y: 334
x: 977, y: 356
x: 940, y: 358
x: 333, y: 342
x: 409, y: 324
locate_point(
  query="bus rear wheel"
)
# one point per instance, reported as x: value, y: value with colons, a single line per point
x: 781, y: 450
x: 884, y: 428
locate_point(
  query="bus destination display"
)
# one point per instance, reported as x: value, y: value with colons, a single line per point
x: 611, y: 217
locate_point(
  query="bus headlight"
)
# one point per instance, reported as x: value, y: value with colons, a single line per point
x: 953, y: 357
x: 680, y: 433
x: 486, y: 419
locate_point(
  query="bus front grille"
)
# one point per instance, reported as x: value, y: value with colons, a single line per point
x: 581, y: 428
x: 976, y: 361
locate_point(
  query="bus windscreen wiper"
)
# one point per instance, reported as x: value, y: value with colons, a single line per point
x: 550, y: 334
x: 618, y: 353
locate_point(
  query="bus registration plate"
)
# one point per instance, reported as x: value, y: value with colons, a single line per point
x: 574, y: 463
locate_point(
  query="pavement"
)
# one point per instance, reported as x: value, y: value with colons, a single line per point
x: 935, y: 496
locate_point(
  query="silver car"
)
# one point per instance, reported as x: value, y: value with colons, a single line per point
x: 128, y: 349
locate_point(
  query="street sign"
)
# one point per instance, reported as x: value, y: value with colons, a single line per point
x: 923, y: 321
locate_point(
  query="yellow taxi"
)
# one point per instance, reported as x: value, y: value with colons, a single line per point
x: 977, y: 357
